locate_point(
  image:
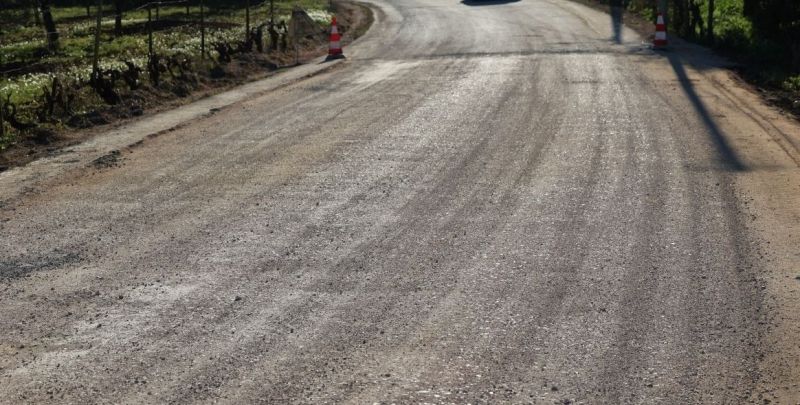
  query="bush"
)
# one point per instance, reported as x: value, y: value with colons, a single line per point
x: 792, y: 84
x: 778, y: 21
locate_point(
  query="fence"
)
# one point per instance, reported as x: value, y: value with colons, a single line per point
x: 104, y: 55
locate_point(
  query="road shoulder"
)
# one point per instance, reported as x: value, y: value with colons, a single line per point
x: 105, y: 147
x: 767, y: 142
x: 766, y: 139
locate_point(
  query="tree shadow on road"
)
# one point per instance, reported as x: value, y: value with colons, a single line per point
x: 677, y: 61
x: 726, y: 154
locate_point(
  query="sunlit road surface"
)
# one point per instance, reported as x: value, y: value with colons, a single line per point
x: 488, y: 202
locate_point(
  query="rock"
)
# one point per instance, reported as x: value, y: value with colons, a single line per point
x: 304, y: 26
x: 109, y: 160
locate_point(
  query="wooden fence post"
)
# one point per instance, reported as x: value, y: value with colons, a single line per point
x: 711, y: 21
x: 247, y: 21
x: 149, y: 33
x: 2, y: 119
x: 202, y: 33
x: 95, y: 59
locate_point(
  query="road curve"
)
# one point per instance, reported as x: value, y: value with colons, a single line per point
x: 488, y: 202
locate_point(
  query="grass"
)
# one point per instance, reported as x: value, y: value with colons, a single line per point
x: 792, y: 83
x: 732, y: 30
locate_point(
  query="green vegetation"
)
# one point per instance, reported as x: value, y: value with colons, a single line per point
x: 792, y: 83
x: 762, y: 34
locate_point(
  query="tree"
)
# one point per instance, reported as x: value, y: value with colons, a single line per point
x: 118, y: 6
x: 778, y: 21
x: 686, y: 18
x: 710, y: 31
x: 35, y: 8
x: 680, y: 17
x: 50, y: 31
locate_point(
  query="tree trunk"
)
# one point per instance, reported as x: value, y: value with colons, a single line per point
x: 118, y: 17
x: 247, y: 21
x: 50, y: 31
x: 681, y: 21
x: 749, y: 8
x: 2, y: 121
x: 710, y: 31
x: 695, y: 20
x: 36, y: 17
x: 202, y: 33
x: 96, y: 54
x: 149, y: 33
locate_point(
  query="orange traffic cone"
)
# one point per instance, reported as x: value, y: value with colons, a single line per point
x: 660, y: 40
x: 335, y: 50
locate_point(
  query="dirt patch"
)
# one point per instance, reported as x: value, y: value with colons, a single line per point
x: 179, y: 87
x: 23, y: 266
x: 110, y: 159
x: 356, y: 20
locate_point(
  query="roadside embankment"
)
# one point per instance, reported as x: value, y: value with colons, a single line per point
x: 45, y: 112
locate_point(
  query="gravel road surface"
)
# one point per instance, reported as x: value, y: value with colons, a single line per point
x: 502, y: 201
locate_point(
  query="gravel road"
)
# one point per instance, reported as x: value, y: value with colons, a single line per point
x: 498, y: 201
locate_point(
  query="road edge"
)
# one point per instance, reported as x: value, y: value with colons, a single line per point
x: 767, y: 195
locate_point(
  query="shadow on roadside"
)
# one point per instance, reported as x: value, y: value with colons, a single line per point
x: 724, y: 150
x: 678, y: 59
x: 617, y: 13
